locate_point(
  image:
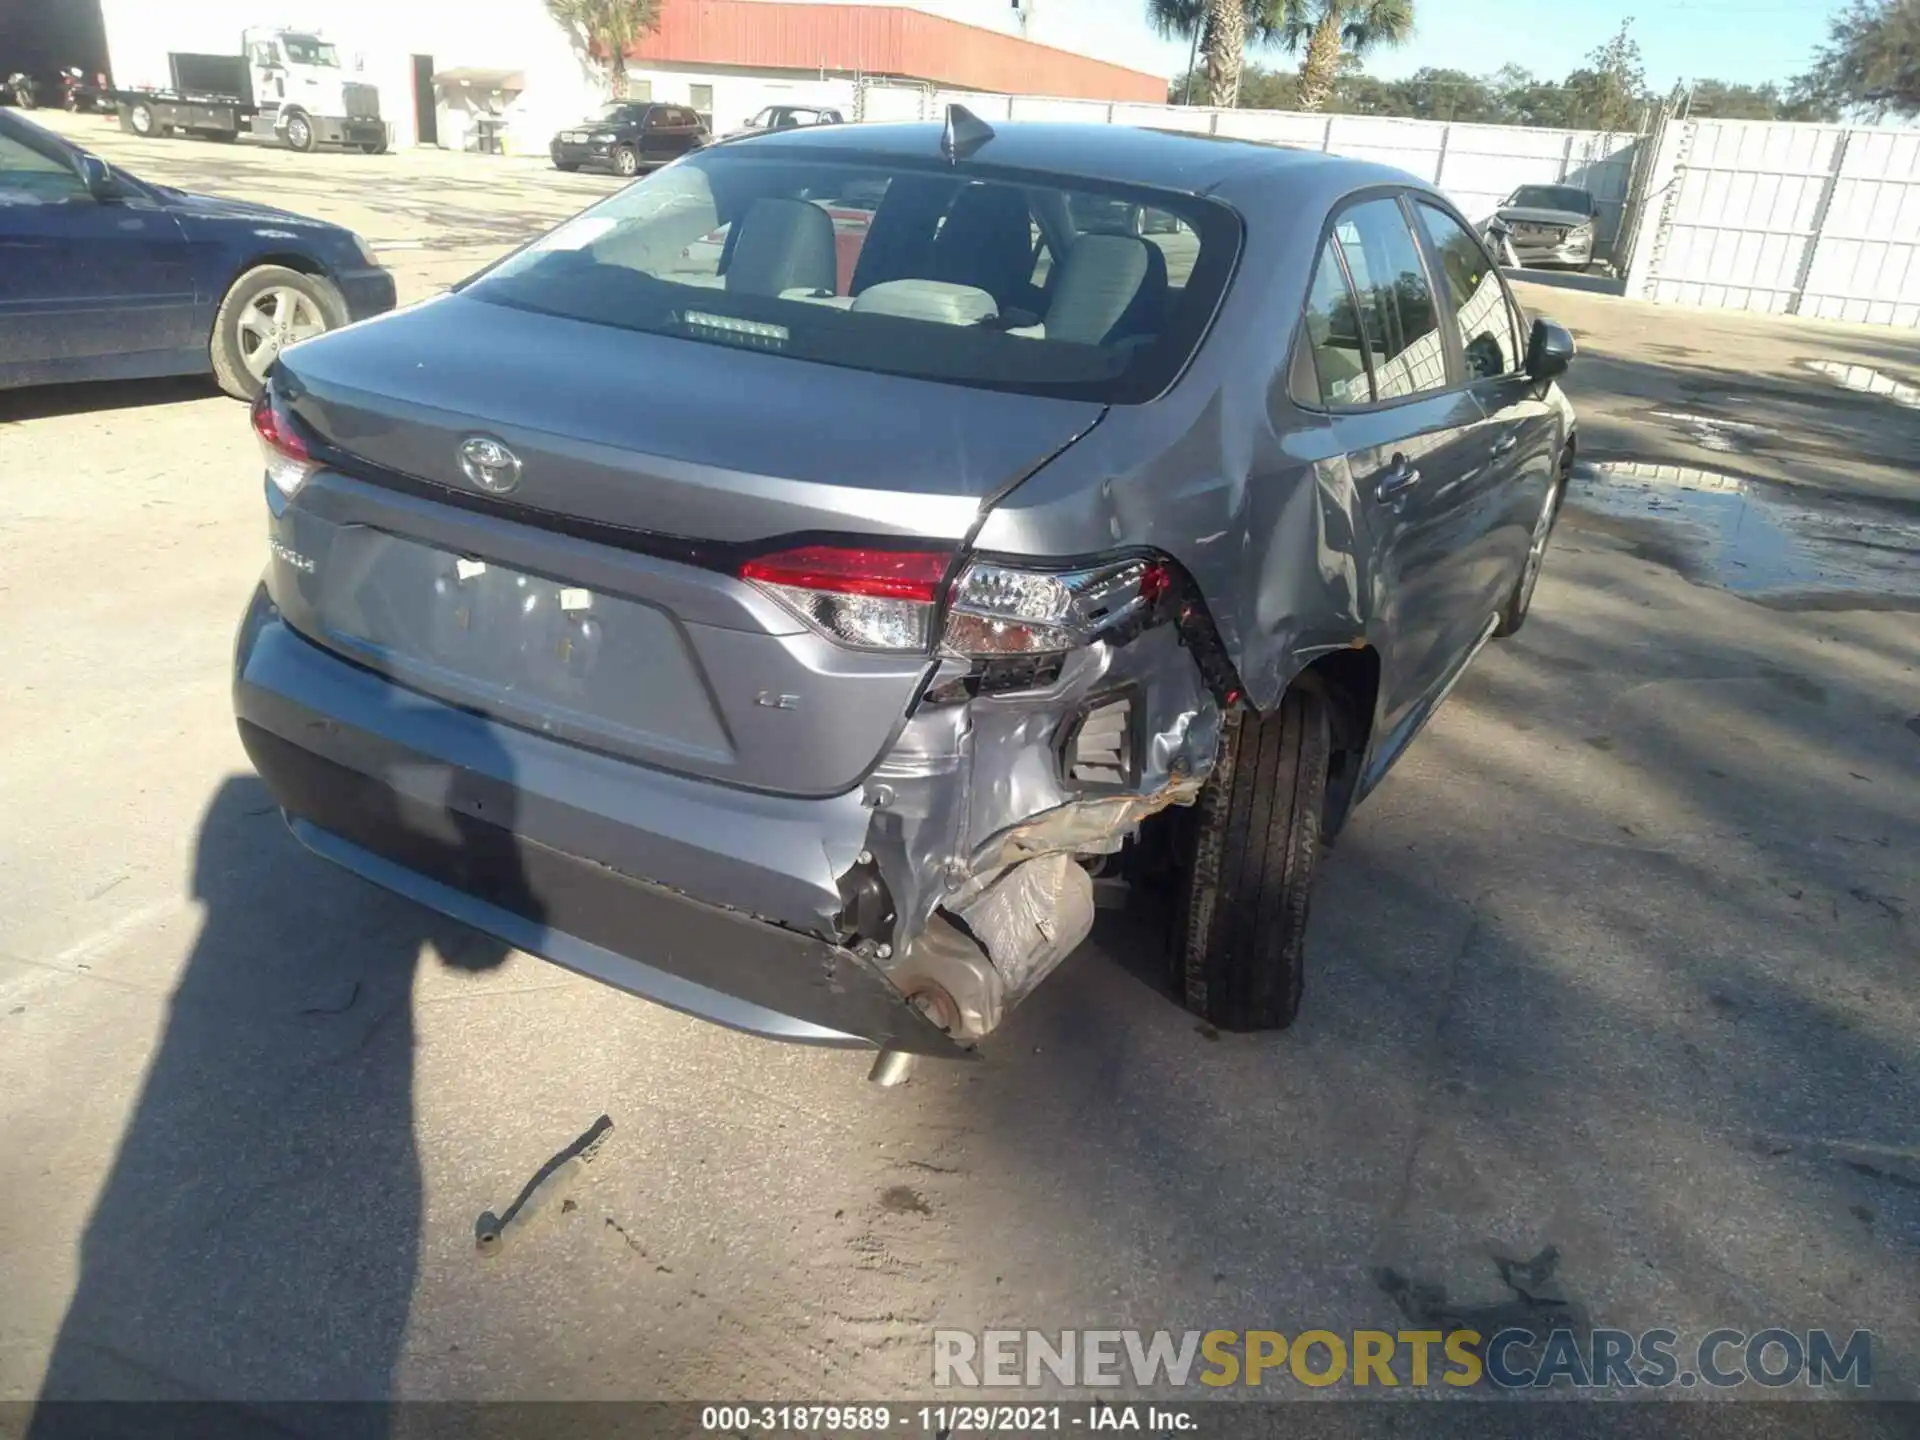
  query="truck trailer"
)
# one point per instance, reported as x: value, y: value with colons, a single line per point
x: 285, y: 85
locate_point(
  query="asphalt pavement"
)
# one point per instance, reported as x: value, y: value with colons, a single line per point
x: 1621, y: 963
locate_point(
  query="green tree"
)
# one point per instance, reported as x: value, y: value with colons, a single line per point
x: 1438, y: 94
x: 1871, y: 61
x: 1326, y: 32
x: 1719, y: 100
x: 1195, y: 22
x: 605, y: 29
x: 1611, y: 92
x: 1525, y: 100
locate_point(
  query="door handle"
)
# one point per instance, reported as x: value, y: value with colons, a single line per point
x: 1504, y: 445
x: 1401, y: 478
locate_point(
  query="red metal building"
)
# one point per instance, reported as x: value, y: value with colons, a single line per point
x: 880, y: 40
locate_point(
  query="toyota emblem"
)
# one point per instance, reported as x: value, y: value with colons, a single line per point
x: 489, y: 464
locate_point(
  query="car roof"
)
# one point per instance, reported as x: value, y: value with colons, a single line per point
x: 1165, y: 159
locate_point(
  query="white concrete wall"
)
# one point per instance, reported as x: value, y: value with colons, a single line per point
x: 1785, y: 219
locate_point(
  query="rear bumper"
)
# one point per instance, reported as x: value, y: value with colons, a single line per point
x: 567, y: 153
x: 541, y: 845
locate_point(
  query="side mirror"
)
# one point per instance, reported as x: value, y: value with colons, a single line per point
x: 97, y: 176
x: 1549, y: 349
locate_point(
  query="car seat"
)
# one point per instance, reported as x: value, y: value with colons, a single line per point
x: 782, y: 245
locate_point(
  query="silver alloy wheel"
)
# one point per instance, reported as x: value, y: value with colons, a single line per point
x: 273, y: 320
x: 625, y: 162
x: 141, y: 119
x: 299, y: 133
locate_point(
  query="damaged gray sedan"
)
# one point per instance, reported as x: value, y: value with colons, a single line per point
x: 782, y: 589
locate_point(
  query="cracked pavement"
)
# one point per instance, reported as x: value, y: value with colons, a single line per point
x: 1620, y: 961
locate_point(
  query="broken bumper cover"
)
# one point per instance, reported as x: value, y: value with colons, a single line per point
x: 533, y: 841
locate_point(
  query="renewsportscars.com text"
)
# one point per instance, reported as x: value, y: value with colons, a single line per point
x: 1510, y: 1359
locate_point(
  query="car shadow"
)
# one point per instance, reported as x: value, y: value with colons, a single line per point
x: 41, y: 402
x: 257, y: 1237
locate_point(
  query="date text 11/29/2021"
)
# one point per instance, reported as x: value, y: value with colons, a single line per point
x: 860, y: 1420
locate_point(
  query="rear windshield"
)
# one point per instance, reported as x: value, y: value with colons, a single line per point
x: 1553, y: 197
x: 1005, y: 280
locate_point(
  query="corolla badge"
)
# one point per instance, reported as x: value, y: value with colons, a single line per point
x: 489, y: 464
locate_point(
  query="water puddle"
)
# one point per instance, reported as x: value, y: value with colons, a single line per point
x: 1716, y: 432
x: 1777, y: 544
x: 1867, y: 381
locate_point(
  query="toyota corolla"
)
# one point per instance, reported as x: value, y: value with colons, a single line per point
x: 793, y: 638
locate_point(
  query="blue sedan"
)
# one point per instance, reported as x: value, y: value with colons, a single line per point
x: 105, y: 277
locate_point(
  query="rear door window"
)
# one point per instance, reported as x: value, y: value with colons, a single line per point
x: 902, y: 267
x: 1397, y: 314
x: 1331, y: 328
x: 1478, y: 301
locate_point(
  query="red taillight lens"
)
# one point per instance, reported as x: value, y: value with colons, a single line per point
x: 289, y: 462
x: 883, y: 574
x: 869, y: 599
x: 885, y: 600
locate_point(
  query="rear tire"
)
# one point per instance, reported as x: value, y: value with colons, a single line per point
x: 228, y: 348
x: 1247, y: 874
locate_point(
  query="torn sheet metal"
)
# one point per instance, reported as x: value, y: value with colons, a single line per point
x: 973, y: 815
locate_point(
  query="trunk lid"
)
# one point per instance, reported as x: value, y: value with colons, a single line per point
x: 668, y: 436
x: 597, y: 600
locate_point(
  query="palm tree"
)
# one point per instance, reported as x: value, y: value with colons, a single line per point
x: 607, y: 28
x: 1333, y: 29
x: 1223, y: 30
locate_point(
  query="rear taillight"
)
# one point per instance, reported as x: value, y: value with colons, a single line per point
x: 289, y: 462
x: 869, y: 599
x: 1000, y: 610
x: 886, y: 600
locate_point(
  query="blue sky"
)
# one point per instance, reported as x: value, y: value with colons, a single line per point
x: 1738, y: 40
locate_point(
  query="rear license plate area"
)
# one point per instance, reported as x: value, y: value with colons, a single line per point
x: 536, y: 650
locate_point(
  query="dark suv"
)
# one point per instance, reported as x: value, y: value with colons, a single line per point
x: 628, y: 137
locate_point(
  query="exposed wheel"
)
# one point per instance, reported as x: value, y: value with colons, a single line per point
x: 139, y: 116
x: 268, y: 309
x: 1520, y: 599
x: 1247, y: 870
x: 626, y: 161
x: 299, y: 132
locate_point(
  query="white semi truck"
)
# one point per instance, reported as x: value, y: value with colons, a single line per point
x: 288, y: 85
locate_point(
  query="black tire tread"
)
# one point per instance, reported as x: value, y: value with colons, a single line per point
x: 1245, y: 894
